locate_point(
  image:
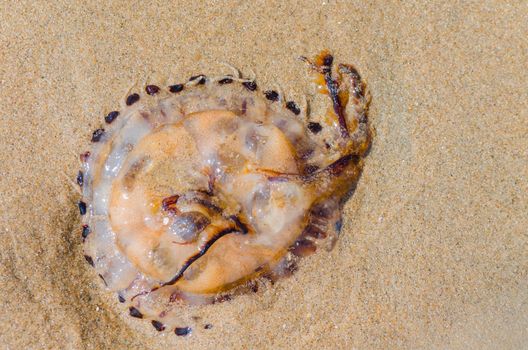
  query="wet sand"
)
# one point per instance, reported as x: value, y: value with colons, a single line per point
x: 434, y: 246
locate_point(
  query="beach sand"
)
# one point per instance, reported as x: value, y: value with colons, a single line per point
x: 434, y: 249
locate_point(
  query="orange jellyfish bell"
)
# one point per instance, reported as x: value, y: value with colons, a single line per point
x: 191, y: 193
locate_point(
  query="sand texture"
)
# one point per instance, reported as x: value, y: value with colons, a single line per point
x: 434, y: 250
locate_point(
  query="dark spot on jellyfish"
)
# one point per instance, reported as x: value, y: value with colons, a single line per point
x: 240, y: 225
x: 288, y: 269
x: 208, y: 204
x: 270, y: 277
x: 152, y: 89
x: 89, y: 260
x: 182, y: 331
x: 208, y: 326
x: 315, y: 127
x: 310, y: 169
x: 250, y: 85
x: 303, y: 247
x: 253, y: 286
x: 292, y: 106
x: 158, y: 325
x: 322, y: 211
x: 97, y: 134
x: 339, y: 225
x: 328, y: 60
x: 201, y: 79
x: 271, y: 95
x: 314, y: 231
x: 130, y: 100
x: 84, y: 156
x: 110, y: 117
x: 82, y: 207
x: 305, y: 153
x: 363, y: 118
x: 169, y: 203
x: 85, y: 231
x: 339, y: 165
x: 291, y: 267
x: 327, y: 145
x: 104, y: 281
x: 225, y: 81
x: 135, y: 312
x: 121, y: 298
x: 176, y: 88
x: 80, y: 178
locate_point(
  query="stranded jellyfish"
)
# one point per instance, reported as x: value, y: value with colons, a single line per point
x: 194, y: 192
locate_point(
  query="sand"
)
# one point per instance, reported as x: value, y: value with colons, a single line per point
x: 434, y: 249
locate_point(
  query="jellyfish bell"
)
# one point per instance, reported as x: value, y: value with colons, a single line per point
x: 191, y: 193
